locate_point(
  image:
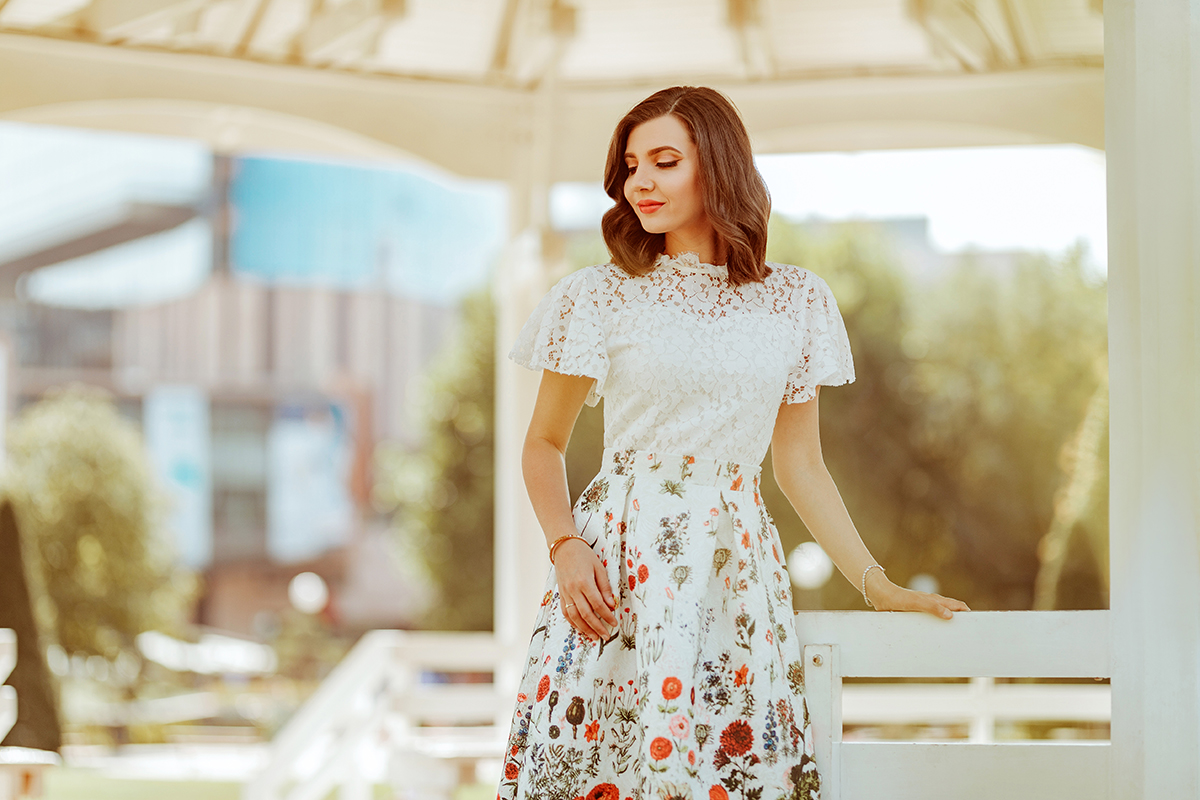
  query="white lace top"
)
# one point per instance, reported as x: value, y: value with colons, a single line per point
x: 688, y: 364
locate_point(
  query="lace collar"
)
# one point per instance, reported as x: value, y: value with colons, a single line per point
x: 690, y: 261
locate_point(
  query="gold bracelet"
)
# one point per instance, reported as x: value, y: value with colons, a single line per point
x: 554, y: 545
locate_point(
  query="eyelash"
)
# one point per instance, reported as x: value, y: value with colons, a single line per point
x: 661, y: 165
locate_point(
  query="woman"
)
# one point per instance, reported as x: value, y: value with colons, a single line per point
x: 664, y: 662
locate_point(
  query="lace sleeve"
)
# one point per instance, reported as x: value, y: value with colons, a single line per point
x: 564, y: 334
x: 824, y: 349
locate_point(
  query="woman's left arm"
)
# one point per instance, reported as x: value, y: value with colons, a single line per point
x: 801, y: 473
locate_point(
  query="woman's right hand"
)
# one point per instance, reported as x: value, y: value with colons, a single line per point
x: 587, y: 599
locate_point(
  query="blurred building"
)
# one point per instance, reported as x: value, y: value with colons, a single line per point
x: 268, y: 322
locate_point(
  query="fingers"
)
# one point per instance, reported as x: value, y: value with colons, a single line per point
x: 588, y: 603
x: 605, y: 594
x: 593, y: 627
x: 944, y: 607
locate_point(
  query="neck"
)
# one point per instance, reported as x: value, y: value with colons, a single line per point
x: 701, y: 242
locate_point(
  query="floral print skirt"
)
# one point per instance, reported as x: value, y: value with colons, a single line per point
x: 699, y: 693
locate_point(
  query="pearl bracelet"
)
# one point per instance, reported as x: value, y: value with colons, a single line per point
x: 866, y: 599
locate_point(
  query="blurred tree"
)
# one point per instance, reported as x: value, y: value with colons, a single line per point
x: 1015, y: 368
x: 868, y: 426
x: 949, y: 446
x: 81, y: 483
x: 442, y: 494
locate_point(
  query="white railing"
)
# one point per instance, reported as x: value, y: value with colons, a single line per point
x: 1018, y: 644
x: 20, y: 767
x: 374, y: 705
x: 8, y: 695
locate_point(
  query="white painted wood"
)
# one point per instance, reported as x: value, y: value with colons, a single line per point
x: 884, y: 703
x: 1011, y: 644
x: 953, y: 771
x: 1152, y: 132
x: 376, y: 694
x: 1062, y: 644
x: 8, y: 652
x: 8, y: 709
x: 479, y: 130
x: 823, y: 696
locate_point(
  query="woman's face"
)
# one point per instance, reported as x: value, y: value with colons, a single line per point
x: 663, y: 184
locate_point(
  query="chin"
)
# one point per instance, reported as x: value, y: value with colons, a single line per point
x: 655, y: 226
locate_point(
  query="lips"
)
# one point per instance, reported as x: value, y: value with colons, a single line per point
x: 649, y: 206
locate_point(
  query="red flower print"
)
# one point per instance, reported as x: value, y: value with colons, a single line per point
x: 511, y: 770
x: 693, y: 695
x: 636, y: 507
x: 515, y: 749
x: 629, y: 561
x: 643, y: 573
x: 621, y: 530
x: 718, y: 792
x: 691, y: 756
x: 691, y: 459
x: 543, y: 688
x: 737, y: 738
x: 604, y: 791
x: 592, y: 730
x: 679, y: 726
x: 522, y: 697
x: 741, y: 675
x: 632, y: 583
x: 660, y: 748
x: 770, y: 638
x: 672, y: 686
x: 746, y: 539
x: 737, y: 484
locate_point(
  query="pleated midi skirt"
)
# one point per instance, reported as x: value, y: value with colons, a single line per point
x: 699, y: 692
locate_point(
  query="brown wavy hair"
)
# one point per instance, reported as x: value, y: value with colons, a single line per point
x: 735, y: 197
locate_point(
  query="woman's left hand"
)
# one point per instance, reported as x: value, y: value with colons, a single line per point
x: 887, y: 596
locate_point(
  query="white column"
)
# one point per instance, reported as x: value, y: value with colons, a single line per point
x: 1152, y: 131
x: 521, y: 561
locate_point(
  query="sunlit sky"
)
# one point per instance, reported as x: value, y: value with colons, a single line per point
x: 990, y: 198
x: 57, y: 180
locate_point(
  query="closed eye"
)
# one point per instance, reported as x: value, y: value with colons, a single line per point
x: 661, y: 165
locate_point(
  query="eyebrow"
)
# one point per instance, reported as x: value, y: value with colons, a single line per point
x: 655, y: 151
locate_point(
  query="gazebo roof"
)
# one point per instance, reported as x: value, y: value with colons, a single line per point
x: 457, y: 82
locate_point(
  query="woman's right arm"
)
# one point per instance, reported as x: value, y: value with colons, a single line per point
x: 582, y: 579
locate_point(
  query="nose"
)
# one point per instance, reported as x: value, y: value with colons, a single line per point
x: 639, y: 179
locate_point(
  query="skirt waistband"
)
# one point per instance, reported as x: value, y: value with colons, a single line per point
x: 690, y: 469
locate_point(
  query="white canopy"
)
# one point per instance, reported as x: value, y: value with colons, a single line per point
x: 456, y: 82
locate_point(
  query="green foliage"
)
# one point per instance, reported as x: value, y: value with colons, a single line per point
x: 442, y: 494
x: 949, y: 446
x: 84, y: 493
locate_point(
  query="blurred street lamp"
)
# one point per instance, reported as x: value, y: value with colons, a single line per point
x: 809, y: 566
x: 924, y: 582
x: 308, y: 593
